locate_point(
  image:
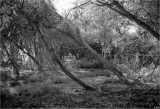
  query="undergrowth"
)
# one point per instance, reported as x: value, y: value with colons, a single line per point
x: 42, y: 95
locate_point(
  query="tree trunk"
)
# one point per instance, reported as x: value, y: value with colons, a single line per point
x: 54, y: 57
x: 113, y: 68
x: 11, y: 59
x: 107, y: 64
x: 28, y: 54
x: 115, y: 6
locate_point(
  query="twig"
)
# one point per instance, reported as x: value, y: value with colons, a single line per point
x: 77, y: 7
x: 155, y: 66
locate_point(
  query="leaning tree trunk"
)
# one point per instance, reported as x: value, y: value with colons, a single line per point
x: 74, y: 32
x: 112, y: 67
x: 55, y: 58
x: 108, y: 65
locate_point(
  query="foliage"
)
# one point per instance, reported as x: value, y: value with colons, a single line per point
x: 79, y: 52
x: 97, y: 47
x: 144, y: 98
x: 137, y: 52
x: 42, y: 95
x: 150, y: 74
x: 18, y: 29
x: 92, y: 64
x: 36, y: 78
x: 5, y: 76
x: 29, y: 96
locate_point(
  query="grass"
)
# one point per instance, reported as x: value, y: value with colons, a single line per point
x: 62, y: 92
x: 45, y: 95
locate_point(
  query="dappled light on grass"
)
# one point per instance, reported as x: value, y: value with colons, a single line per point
x: 60, y: 92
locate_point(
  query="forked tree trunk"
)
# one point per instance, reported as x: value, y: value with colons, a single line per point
x: 55, y: 58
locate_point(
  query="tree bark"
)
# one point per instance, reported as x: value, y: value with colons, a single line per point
x: 58, y: 61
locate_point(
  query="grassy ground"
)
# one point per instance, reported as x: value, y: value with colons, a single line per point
x: 58, y: 91
x: 47, y: 95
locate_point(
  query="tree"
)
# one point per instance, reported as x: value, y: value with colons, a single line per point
x: 12, y: 59
x: 108, y: 64
x: 116, y: 6
x: 36, y: 22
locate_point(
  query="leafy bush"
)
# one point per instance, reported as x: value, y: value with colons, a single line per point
x: 36, y: 78
x: 137, y: 54
x: 150, y: 74
x: 95, y: 64
x: 30, y: 96
x: 58, y: 81
x: 5, y: 76
x: 144, y: 98
x: 6, y: 98
x: 96, y: 46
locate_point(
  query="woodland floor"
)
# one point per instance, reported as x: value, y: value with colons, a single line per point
x: 65, y: 93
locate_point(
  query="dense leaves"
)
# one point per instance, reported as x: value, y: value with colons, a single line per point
x: 144, y: 98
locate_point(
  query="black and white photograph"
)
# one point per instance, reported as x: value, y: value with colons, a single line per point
x: 80, y: 54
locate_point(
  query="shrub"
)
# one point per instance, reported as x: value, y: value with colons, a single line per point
x: 5, y: 76
x: 144, y: 98
x: 30, y: 96
x: 95, y: 64
x: 6, y: 98
x: 36, y: 78
x: 58, y: 81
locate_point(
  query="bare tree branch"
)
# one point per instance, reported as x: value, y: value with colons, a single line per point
x: 77, y: 7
